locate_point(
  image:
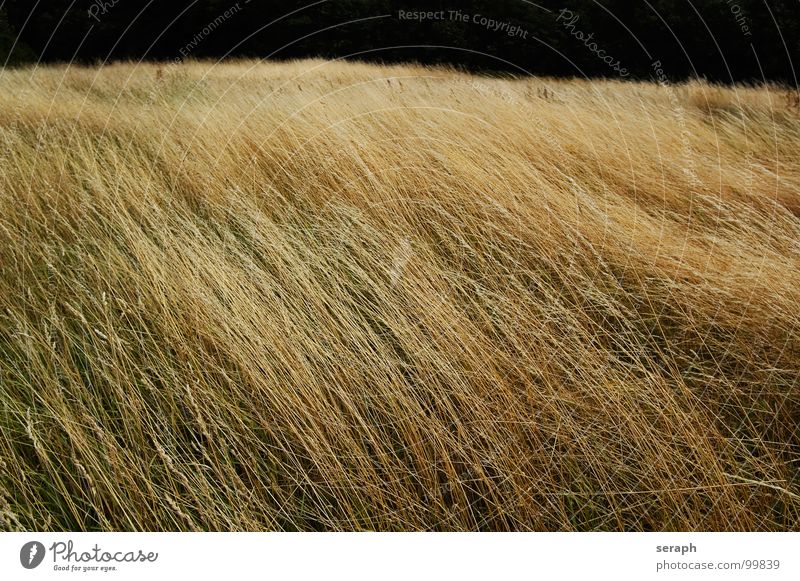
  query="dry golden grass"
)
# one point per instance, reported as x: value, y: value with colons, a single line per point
x: 320, y: 295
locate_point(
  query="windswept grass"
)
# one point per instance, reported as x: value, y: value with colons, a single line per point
x: 319, y: 295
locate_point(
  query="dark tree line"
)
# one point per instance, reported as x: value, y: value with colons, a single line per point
x: 722, y: 40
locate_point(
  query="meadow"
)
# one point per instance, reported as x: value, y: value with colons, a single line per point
x: 318, y: 295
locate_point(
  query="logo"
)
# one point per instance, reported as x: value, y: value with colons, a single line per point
x: 31, y: 555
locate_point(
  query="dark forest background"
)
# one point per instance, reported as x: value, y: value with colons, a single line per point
x: 721, y: 40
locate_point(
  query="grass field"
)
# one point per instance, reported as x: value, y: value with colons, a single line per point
x: 316, y: 295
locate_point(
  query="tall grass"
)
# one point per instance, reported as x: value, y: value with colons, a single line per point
x: 319, y: 295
